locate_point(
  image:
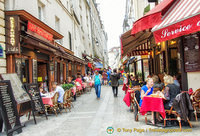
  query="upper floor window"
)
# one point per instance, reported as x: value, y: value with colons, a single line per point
x: 41, y: 11
x: 70, y: 41
x: 57, y: 24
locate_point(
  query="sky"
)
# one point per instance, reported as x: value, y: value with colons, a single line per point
x: 112, y: 15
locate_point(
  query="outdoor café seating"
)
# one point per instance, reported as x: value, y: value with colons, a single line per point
x: 67, y: 100
x: 54, y: 107
x: 196, y: 102
x: 136, y: 98
x: 180, y: 110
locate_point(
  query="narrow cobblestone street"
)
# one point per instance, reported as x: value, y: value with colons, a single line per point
x: 92, y: 117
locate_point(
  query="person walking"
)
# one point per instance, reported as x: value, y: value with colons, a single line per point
x: 114, y: 77
x: 97, y: 83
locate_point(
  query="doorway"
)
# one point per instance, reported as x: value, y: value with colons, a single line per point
x: 43, y: 74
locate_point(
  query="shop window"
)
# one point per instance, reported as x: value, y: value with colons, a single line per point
x: 18, y: 64
x: 146, y: 68
x: 61, y: 73
x: 25, y: 71
x: 55, y: 75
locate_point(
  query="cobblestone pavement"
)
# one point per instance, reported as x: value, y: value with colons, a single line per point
x: 91, y: 117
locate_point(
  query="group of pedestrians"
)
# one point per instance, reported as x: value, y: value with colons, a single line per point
x: 108, y: 76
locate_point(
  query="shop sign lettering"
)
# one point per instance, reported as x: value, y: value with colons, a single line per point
x: 184, y: 27
x: 32, y: 27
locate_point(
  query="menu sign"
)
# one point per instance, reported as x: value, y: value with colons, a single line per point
x: 191, y: 53
x: 9, y: 109
x: 34, y: 93
x: 19, y: 93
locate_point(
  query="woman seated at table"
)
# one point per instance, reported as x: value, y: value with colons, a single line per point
x: 157, y: 85
x: 41, y: 88
x: 146, y: 89
x: 170, y: 92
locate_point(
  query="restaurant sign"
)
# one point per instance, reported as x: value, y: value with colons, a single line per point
x: 184, y: 27
x: 12, y: 35
x: 41, y: 32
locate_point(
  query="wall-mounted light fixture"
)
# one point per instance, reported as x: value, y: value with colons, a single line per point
x: 172, y: 42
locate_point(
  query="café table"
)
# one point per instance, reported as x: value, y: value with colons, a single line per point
x: 154, y: 104
x: 47, y: 99
x: 127, y: 97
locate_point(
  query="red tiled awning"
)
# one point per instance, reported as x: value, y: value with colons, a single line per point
x: 181, y: 19
x: 152, y: 18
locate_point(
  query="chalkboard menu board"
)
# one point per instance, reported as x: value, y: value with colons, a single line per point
x: 9, y: 108
x: 191, y: 53
x: 19, y: 93
x: 34, y: 93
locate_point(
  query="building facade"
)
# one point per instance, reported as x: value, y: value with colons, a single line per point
x: 99, y: 36
x: 50, y: 38
x: 2, y: 39
x: 114, y: 57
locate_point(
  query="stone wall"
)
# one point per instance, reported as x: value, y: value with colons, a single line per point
x: 2, y: 37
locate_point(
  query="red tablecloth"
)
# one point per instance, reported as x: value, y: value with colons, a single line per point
x: 152, y: 104
x: 79, y: 88
x: 127, y: 99
x: 47, y: 100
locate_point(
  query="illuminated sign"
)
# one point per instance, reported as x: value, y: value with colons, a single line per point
x: 12, y: 31
x: 32, y: 27
x: 12, y: 35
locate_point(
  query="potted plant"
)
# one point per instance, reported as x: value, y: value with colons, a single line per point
x: 67, y: 86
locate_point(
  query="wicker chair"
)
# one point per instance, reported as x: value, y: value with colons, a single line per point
x: 65, y: 97
x: 67, y: 102
x: 177, y: 117
x: 136, y: 97
x: 196, y: 102
x: 55, y: 107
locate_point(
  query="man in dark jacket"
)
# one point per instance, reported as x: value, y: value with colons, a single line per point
x: 114, y: 77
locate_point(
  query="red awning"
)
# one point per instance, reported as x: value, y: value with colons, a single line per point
x: 143, y: 49
x: 152, y: 18
x: 89, y: 65
x: 182, y: 18
x: 130, y: 43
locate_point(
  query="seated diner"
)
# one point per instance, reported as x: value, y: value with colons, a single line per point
x: 60, y: 91
x: 170, y: 92
x: 146, y: 89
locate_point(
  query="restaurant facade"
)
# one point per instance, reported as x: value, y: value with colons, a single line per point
x: 34, y: 55
x: 173, y: 40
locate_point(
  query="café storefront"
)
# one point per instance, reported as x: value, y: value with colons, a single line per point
x: 174, y: 42
x: 179, y: 32
x: 32, y: 52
